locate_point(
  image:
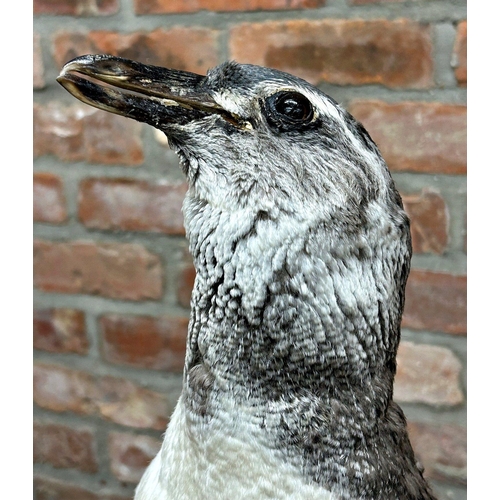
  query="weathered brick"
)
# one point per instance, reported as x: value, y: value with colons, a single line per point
x: 189, y: 49
x: 76, y: 7
x: 52, y: 489
x: 49, y: 202
x: 130, y: 455
x: 181, y: 6
x: 38, y: 71
x: 429, y: 219
x: 436, y: 302
x: 345, y: 52
x: 119, y: 400
x: 459, y: 58
x: 83, y: 133
x: 427, y: 374
x: 442, y: 450
x: 61, y: 389
x: 132, y: 205
x: 426, y: 137
x: 112, y: 139
x: 58, y: 130
x: 60, y: 330
x: 143, y: 341
x: 116, y: 270
x: 64, y: 447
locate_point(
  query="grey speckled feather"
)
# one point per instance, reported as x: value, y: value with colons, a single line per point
x: 302, y: 251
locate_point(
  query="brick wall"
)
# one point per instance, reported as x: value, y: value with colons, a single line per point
x: 112, y: 273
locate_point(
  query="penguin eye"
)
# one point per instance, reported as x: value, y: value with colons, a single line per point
x: 292, y: 105
x: 288, y: 110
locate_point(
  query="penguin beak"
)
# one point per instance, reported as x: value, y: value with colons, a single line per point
x: 158, y: 96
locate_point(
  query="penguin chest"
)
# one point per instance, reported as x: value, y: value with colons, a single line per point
x: 228, y: 457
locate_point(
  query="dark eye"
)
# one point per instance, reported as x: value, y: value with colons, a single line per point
x: 288, y: 110
x: 294, y: 106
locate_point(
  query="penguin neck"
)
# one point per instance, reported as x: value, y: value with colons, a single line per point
x: 277, y: 311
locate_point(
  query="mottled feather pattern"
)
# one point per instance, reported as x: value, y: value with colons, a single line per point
x: 302, y: 251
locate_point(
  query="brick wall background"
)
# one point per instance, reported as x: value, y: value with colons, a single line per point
x: 112, y: 273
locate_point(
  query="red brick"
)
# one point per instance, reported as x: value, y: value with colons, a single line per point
x: 429, y: 219
x: 61, y: 389
x: 142, y: 341
x: 427, y: 374
x: 112, y: 139
x: 442, y: 450
x: 181, y: 6
x: 436, y: 301
x: 426, y: 137
x: 53, y: 489
x: 49, y: 202
x: 190, y: 49
x: 64, y: 447
x: 59, y: 130
x: 132, y: 205
x: 115, y: 270
x: 131, y: 454
x: 118, y: 400
x: 60, y: 330
x: 459, y: 60
x: 83, y: 133
x: 345, y: 52
x: 38, y: 71
x: 76, y: 7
